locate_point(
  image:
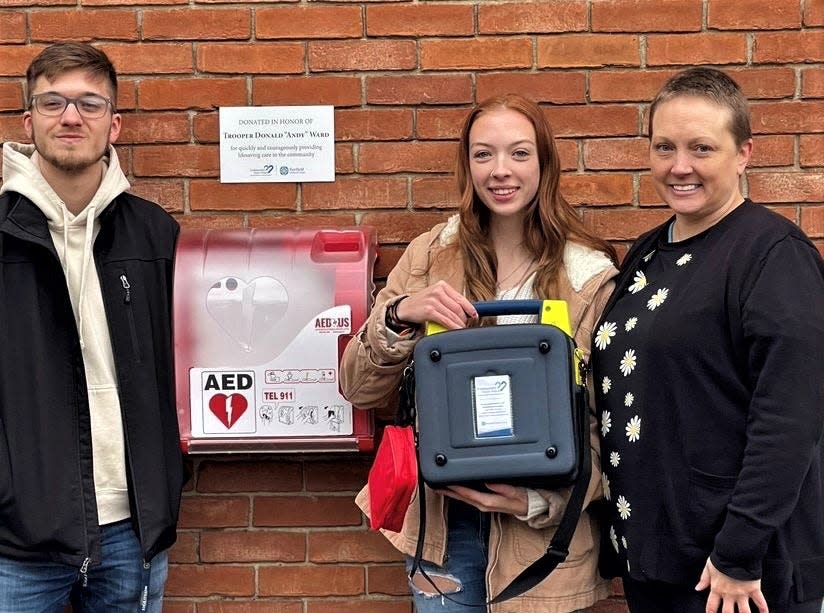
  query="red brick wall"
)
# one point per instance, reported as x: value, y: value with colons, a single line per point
x: 282, y: 534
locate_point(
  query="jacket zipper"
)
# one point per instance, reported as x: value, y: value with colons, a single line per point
x: 137, y: 511
x: 84, y: 566
x: 127, y: 300
x: 144, y: 593
x: 84, y: 571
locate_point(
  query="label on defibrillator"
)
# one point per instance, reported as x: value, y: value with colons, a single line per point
x: 492, y: 406
x: 294, y: 393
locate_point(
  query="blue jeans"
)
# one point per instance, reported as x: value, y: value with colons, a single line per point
x: 463, y: 574
x: 121, y: 583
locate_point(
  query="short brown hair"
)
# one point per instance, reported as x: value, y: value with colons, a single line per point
x: 714, y: 85
x: 59, y: 58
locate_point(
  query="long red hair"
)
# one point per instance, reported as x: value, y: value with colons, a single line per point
x: 549, y: 223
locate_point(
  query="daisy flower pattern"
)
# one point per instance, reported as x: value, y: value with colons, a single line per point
x: 657, y: 299
x: 624, y: 542
x: 605, y: 333
x: 614, y: 538
x: 629, y: 398
x: 633, y: 429
x: 614, y: 458
x: 605, y: 485
x: 606, y: 423
x: 639, y: 282
x: 624, y: 510
x: 631, y: 323
x: 606, y: 384
x: 628, y: 362
x: 684, y: 259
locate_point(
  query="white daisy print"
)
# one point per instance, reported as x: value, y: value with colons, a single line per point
x: 657, y: 299
x: 605, y: 333
x: 631, y: 323
x: 628, y: 362
x: 615, y: 459
x: 624, y: 542
x: 629, y: 398
x: 634, y: 429
x: 606, y: 423
x: 614, y: 538
x: 606, y: 384
x: 684, y: 259
x: 624, y: 509
x: 639, y: 282
x: 605, y: 485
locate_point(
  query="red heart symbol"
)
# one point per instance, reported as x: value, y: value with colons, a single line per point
x: 228, y: 409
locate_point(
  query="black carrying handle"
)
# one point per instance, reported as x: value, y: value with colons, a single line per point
x: 493, y: 308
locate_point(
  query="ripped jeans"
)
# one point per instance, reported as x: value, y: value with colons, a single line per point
x: 463, y: 574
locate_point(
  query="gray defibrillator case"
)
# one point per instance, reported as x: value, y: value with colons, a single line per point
x: 502, y: 404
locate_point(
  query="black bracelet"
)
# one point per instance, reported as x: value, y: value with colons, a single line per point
x: 393, y: 322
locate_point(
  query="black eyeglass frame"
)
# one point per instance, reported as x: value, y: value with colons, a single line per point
x: 67, y: 101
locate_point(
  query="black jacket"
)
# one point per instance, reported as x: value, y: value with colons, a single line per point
x: 47, y: 495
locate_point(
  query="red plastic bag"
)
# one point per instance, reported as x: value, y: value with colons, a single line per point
x: 392, y: 478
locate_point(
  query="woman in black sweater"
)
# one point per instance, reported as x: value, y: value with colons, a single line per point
x: 709, y: 381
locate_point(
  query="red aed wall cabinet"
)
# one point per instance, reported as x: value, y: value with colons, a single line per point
x: 260, y: 320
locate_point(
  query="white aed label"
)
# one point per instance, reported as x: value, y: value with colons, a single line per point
x: 492, y: 405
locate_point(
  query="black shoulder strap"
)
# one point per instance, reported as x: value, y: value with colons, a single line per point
x: 405, y: 415
x: 558, y: 548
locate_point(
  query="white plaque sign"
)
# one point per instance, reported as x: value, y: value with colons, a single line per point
x: 277, y: 144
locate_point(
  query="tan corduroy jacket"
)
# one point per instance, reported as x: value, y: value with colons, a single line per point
x: 371, y: 369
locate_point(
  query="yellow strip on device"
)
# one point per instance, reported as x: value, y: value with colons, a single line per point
x: 552, y: 312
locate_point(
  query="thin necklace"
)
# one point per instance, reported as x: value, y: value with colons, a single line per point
x: 528, y: 260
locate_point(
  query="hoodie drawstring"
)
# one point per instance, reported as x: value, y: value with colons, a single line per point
x: 84, y: 273
x: 65, y: 238
x: 66, y: 258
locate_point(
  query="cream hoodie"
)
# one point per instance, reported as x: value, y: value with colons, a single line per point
x: 73, y: 237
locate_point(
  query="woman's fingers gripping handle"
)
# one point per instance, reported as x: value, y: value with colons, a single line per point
x: 439, y: 303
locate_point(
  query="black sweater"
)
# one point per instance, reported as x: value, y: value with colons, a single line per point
x: 711, y: 395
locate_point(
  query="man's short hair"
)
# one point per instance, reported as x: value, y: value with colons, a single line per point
x: 60, y: 58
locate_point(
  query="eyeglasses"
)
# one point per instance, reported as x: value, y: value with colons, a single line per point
x: 90, y: 106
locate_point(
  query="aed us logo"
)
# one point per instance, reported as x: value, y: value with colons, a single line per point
x: 332, y: 324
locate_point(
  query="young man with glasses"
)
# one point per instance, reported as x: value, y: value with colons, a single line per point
x: 90, y: 467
